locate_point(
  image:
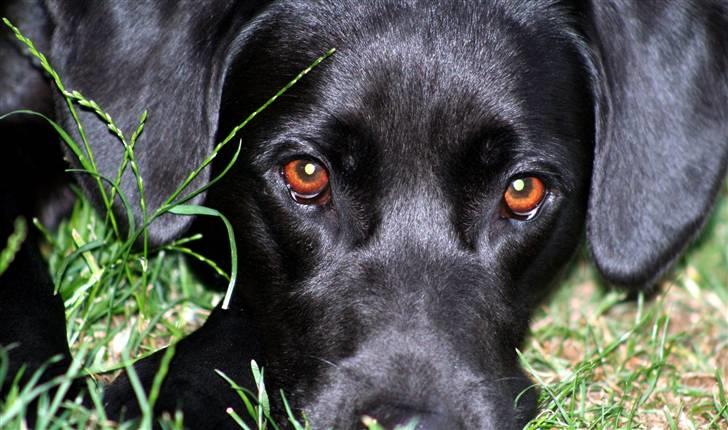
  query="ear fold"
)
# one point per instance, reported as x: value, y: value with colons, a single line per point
x: 167, y: 57
x: 662, y: 132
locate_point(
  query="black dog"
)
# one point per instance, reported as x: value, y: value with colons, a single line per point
x: 401, y: 210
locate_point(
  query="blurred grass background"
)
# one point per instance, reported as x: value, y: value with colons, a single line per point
x: 606, y: 363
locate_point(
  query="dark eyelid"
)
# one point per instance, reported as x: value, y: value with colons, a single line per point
x: 282, y: 150
x: 548, y: 173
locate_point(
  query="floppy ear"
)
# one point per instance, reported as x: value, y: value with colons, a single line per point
x: 167, y: 57
x: 662, y: 131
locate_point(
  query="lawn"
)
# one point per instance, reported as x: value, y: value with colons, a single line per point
x: 599, y: 360
x: 603, y: 362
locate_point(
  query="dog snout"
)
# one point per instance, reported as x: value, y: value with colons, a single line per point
x: 391, y: 416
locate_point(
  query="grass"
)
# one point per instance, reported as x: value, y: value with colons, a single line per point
x: 605, y: 363
x: 599, y: 361
x: 602, y: 362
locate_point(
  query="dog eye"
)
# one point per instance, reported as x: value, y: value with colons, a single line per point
x: 307, y: 180
x: 524, y: 196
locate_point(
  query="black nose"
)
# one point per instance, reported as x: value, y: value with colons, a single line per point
x: 391, y: 416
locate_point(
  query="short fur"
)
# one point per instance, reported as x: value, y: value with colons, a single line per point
x: 408, y: 294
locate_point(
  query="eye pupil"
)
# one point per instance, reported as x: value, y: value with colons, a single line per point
x: 307, y: 181
x: 307, y: 171
x: 524, y: 196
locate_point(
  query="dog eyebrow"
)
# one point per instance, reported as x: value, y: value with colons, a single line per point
x: 340, y: 133
x: 494, y: 135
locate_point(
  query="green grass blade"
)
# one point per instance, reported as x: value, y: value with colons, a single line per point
x: 183, y: 186
x: 67, y: 139
x: 13, y: 244
x: 161, y: 374
x: 196, y: 210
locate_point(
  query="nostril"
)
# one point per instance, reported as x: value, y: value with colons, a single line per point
x: 391, y: 416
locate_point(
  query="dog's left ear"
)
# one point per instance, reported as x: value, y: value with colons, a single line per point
x: 164, y: 56
x: 662, y: 130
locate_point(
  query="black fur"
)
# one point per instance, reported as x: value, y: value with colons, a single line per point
x: 409, y: 292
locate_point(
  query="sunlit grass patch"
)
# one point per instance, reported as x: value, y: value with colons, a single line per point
x: 603, y: 362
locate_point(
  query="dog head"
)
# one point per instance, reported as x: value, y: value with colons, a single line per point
x: 402, y: 209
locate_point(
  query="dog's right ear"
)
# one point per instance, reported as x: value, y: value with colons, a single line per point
x: 167, y: 57
x: 662, y: 130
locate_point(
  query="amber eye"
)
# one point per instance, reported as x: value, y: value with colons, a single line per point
x: 307, y: 180
x: 524, y: 196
